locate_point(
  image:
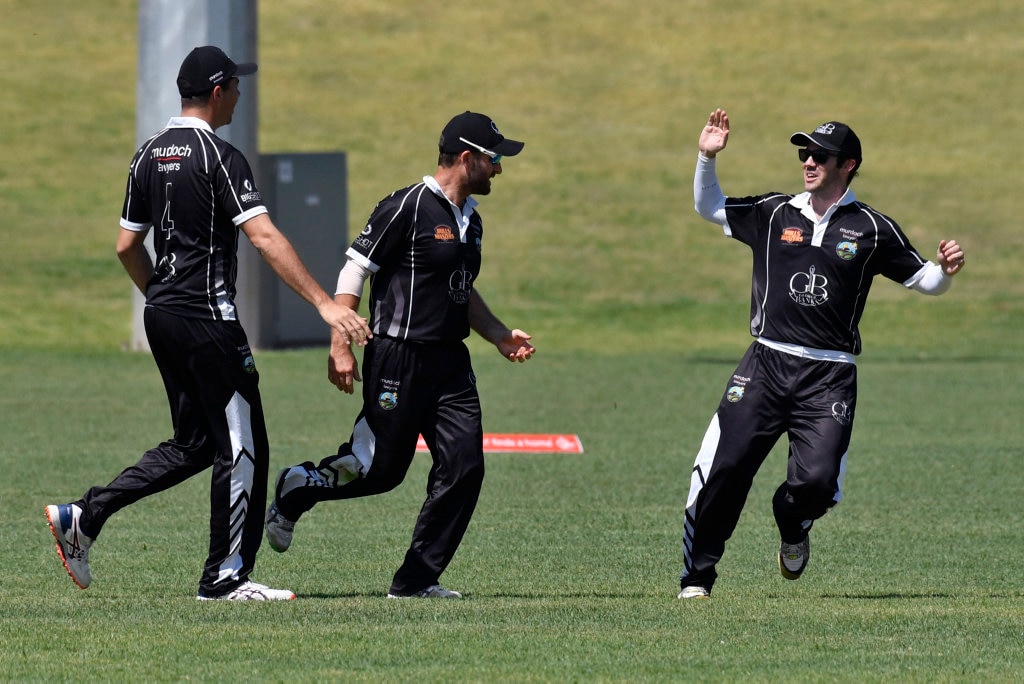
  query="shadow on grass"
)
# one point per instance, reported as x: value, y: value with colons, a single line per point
x: 910, y: 595
x: 889, y: 595
x: 487, y: 595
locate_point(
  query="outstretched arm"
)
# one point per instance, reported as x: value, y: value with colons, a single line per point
x: 279, y: 254
x: 513, y: 344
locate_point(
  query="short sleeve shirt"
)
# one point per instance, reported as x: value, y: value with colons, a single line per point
x: 194, y: 189
x: 423, y: 262
x: 811, y: 280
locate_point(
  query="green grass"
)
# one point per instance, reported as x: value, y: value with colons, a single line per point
x: 637, y: 307
x: 570, y: 566
x: 592, y: 228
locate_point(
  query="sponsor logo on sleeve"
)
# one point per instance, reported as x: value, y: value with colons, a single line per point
x: 251, y: 194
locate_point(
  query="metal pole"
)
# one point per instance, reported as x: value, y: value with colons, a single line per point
x: 168, y: 30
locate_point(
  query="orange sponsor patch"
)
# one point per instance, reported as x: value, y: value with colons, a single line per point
x: 792, y: 235
x: 443, y: 233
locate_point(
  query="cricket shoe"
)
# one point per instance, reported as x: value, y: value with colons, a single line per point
x: 72, y: 544
x: 279, y: 529
x: 251, y: 591
x: 694, y: 592
x: 435, y: 591
x: 793, y: 558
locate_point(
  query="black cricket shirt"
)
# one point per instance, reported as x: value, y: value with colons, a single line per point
x: 195, y: 189
x: 423, y: 262
x: 810, y: 281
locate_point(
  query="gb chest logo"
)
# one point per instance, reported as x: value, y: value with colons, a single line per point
x: 460, y: 284
x: 808, y: 289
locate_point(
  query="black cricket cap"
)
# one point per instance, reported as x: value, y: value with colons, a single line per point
x: 206, y: 67
x: 834, y: 136
x: 480, y: 130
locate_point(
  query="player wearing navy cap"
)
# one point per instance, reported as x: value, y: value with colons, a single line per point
x: 421, y: 250
x: 198, y: 192
x: 815, y: 255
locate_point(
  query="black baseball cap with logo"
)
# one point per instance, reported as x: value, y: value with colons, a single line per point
x: 476, y: 132
x: 834, y: 136
x: 206, y: 67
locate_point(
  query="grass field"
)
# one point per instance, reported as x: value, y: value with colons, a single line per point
x: 570, y: 565
x: 638, y: 309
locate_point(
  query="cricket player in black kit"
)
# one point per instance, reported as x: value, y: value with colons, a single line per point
x: 814, y: 257
x: 421, y: 249
x: 198, y: 191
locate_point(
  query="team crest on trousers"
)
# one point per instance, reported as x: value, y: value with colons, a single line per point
x: 842, y: 413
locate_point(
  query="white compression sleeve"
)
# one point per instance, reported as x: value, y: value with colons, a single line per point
x: 351, y: 279
x: 708, y: 199
x: 931, y: 280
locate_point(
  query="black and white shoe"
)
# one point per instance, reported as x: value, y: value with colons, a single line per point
x: 793, y: 558
x: 435, y: 591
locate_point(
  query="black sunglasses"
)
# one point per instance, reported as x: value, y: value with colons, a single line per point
x: 819, y: 156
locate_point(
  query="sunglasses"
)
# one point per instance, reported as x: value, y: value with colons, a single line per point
x: 495, y: 157
x: 819, y: 156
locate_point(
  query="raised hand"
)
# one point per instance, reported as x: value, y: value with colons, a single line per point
x: 715, y: 135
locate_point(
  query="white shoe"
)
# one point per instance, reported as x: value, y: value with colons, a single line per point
x: 251, y: 591
x: 72, y: 545
x: 436, y: 591
x: 693, y: 592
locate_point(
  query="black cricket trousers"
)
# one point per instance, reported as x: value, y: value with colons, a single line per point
x: 213, y: 390
x: 771, y: 393
x: 411, y: 389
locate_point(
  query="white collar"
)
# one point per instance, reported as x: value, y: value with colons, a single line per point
x: 803, y: 203
x: 462, y: 214
x: 189, y: 122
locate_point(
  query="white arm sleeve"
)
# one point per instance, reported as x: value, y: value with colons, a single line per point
x: 351, y: 278
x: 708, y: 199
x: 930, y: 280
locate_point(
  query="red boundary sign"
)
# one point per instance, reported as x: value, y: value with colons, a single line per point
x: 509, y: 443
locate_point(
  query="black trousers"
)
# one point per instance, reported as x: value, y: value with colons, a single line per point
x: 410, y: 389
x: 771, y: 393
x: 213, y: 391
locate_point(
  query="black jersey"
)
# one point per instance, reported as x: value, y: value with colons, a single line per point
x: 423, y: 265
x: 809, y: 286
x: 196, y: 189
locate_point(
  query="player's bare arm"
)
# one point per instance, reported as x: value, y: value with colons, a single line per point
x: 131, y: 250
x: 279, y: 254
x: 512, y: 343
x: 342, y: 366
x: 950, y: 256
x: 715, y: 134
